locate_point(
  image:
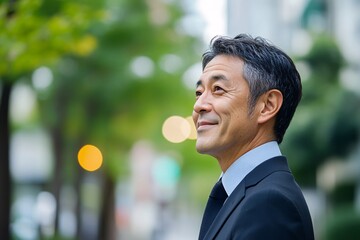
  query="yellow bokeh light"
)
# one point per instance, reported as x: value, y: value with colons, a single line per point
x: 90, y: 158
x: 193, y: 133
x: 176, y: 129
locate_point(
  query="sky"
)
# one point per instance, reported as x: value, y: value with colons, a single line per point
x: 214, y: 16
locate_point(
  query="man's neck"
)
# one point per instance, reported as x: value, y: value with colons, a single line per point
x: 228, y: 158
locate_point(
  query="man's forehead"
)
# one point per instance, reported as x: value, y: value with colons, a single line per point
x: 224, y: 63
x: 213, y: 77
x: 224, y: 59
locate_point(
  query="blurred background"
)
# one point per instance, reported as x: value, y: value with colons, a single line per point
x: 95, y: 136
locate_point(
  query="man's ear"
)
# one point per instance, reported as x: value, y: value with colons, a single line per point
x: 270, y: 104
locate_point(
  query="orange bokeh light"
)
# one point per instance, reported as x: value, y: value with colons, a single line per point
x: 90, y: 158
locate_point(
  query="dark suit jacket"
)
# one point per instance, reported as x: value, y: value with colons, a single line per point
x: 267, y: 204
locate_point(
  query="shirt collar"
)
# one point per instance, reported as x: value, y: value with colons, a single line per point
x: 246, y: 163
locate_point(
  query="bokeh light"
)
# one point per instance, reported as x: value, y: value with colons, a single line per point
x: 42, y: 78
x: 90, y: 158
x: 142, y: 66
x: 176, y: 129
x: 193, y: 133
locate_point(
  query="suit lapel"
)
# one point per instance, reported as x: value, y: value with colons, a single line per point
x: 255, y: 176
x: 230, y: 204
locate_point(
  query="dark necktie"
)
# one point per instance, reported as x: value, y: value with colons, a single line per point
x: 216, y: 200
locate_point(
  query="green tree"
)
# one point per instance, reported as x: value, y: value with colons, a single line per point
x: 107, y: 99
x: 34, y: 33
x: 326, y: 124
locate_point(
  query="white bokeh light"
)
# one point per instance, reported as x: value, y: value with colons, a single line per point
x: 191, y: 75
x: 22, y: 103
x: 170, y: 63
x: 42, y: 78
x: 142, y: 66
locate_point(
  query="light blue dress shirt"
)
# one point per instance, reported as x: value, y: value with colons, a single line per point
x: 246, y: 163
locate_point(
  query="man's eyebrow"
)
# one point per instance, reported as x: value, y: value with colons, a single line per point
x: 217, y: 77
x: 213, y: 78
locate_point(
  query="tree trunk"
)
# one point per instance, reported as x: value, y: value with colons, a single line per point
x: 58, y: 145
x: 5, y: 179
x: 78, y: 210
x: 107, y: 229
x: 57, y: 177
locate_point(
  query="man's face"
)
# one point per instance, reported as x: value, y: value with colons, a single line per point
x: 224, y: 125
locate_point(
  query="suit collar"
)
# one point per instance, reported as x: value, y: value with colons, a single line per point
x: 263, y: 170
x: 248, y: 162
x: 259, y: 173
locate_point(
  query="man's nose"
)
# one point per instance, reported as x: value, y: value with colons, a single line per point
x: 202, y: 104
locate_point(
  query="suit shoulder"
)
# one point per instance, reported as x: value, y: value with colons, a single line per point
x: 278, y: 187
x: 271, y: 212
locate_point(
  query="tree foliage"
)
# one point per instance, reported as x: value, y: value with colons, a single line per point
x: 32, y: 36
x: 326, y: 124
x: 100, y: 93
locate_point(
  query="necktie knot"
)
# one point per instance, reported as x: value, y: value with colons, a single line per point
x: 218, y: 192
x: 216, y: 199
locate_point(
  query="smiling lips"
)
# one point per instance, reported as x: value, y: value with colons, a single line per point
x: 204, y: 124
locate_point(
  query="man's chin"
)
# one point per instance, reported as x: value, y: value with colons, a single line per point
x: 202, y: 148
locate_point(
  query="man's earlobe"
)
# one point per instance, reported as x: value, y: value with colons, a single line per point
x: 271, y: 103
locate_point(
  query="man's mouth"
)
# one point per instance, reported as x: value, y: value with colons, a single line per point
x: 201, y: 125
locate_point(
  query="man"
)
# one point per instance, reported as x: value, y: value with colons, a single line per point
x: 245, y: 99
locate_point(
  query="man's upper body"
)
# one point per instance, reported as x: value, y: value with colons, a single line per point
x: 245, y: 100
x: 264, y: 200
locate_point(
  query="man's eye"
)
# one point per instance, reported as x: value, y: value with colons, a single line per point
x: 197, y: 93
x: 217, y: 89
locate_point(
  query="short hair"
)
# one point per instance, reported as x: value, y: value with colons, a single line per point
x: 266, y: 67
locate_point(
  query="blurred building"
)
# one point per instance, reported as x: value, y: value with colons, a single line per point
x: 345, y: 25
x: 277, y: 21
x: 289, y: 23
